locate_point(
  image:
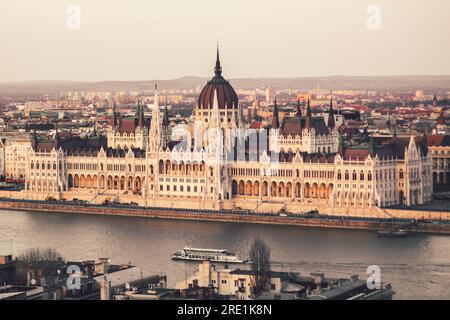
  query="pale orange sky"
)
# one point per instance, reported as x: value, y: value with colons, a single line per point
x: 166, y: 39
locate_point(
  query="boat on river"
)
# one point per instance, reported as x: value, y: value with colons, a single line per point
x: 214, y: 255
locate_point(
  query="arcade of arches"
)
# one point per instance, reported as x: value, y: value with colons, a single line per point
x: 109, y: 182
x: 281, y: 189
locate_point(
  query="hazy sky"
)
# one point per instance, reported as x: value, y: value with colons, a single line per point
x: 166, y: 39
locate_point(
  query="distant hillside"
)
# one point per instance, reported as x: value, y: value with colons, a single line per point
x: 393, y: 84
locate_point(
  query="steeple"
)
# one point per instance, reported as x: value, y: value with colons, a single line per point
x: 308, y: 122
x: 166, y: 130
x: 155, y: 137
x: 331, y: 121
x: 275, y: 118
x: 218, y: 68
x: 156, y: 98
x: 215, y: 114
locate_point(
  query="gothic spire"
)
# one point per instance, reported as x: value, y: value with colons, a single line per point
x: 275, y: 119
x: 331, y: 121
x: 308, y: 121
x: 218, y: 68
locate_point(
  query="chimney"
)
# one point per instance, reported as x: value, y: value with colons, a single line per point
x: 105, y: 289
x: 318, y: 278
x: 102, y: 266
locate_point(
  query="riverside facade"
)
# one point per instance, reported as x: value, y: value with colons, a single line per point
x: 221, y: 162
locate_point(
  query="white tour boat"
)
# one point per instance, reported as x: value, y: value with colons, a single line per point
x: 214, y: 255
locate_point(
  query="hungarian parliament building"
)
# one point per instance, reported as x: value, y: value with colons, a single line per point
x: 295, y: 164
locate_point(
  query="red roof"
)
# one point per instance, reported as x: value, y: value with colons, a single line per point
x: 256, y: 125
x: 438, y: 140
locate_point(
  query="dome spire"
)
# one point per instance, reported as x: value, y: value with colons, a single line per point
x: 218, y: 68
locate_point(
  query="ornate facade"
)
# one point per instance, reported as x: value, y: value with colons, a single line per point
x: 221, y: 163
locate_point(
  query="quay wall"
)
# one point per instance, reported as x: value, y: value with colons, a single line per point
x: 221, y: 217
x: 295, y: 208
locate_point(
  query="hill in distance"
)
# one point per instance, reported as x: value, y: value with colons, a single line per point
x: 434, y: 84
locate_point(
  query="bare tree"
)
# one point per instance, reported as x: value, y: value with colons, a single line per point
x: 39, y: 254
x: 260, y: 259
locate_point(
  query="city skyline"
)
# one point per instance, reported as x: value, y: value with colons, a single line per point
x: 237, y: 150
x: 287, y: 39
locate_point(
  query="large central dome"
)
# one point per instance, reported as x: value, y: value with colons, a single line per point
x: 226, y: 96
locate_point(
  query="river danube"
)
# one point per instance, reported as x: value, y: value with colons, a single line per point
x: 418, y: 266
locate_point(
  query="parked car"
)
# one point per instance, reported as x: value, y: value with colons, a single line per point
x: 425, y: 220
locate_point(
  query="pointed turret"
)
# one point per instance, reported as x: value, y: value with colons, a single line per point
x: 215, y: 114
x: 275, y: 118
x: 156, y: 98
x: 218, y: 68
x: 308, y: 121
x: 331, y: 120
x: 155, y: 137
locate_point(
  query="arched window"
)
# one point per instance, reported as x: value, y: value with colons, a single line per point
x: 346, y: 175
x: 401, y: 175
x: 361, y: 176
x: 354, y: 175
x: 369, y: 176
x: 339, y: 175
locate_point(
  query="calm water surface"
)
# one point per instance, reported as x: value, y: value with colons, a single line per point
x: 418, y: 266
